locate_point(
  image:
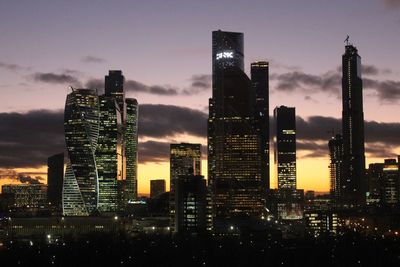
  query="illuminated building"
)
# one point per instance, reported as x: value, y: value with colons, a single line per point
x: 285, y: 147
x: 375, y: 177
x: 321, y: 223
x: 81, y: 125
x: 55, y: 177
x: 260, y: 84
x: 390, y: 184
x: 234, y: 158
x: 26, y: 195
x: 131, y: 147
x: 183, y: 157
x: 157, y: 187
x: 192, y: 209
x: 336, y: 165
x: 109, y: 153
x: 353, y: 183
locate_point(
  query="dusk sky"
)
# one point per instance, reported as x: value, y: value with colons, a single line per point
x: 164, y: 51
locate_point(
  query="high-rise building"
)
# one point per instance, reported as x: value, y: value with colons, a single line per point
x: 260, y: 83
x: 114, y: 87
x: 184, y: 157
x: 234, y: 158
x: 390, y: 184
x: 193, y: 212
x: 131, y: 147
x: 353, y: 184
x: 157, y: 187
x: 26, y: 195
x: 109, y: 153
x: 285, y: 147
x: 336, y: 165
x: 374, y: 177
x: 81, y: 125
x: 55, y: 177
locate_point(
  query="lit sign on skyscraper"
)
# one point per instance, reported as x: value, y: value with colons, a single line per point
x: 225, y: 54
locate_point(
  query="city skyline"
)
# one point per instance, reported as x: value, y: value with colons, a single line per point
x: 311, y: 91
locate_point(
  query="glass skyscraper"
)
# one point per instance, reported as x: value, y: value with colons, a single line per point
x: 131, y: 147
x: 353, y: 184
x: 285, y: 147
x: 108, y: 153
x: 81, y: 125
x: 185, y: 159
x: 234, y: 158
x: 55, y: 177
x: 336, y: 165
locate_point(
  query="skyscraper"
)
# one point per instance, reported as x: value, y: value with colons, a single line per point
x: 55, y: 177
x: 260, y: 84
x: 131, y: 147
x: 157, y: 187
x: 336, y: 165
x: 114, y: 87
x: 109, y: 153
x: 81, y: 125
x: 193, y: 213
x: 285, y: 147
x: 234, y: 159
x: 184, y: 158
x: 353, y: 184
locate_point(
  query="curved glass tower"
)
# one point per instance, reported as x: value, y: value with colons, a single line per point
x: 81, y: 125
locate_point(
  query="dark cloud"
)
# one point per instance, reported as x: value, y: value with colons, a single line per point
x: 160, y: 121
x: 30, y: 180
x: 387, y: 91
x: 12, y: 67
x: 54, y: 78
x: 315, y: 150
x: 95, y: 84
x: 137, y: 87
x: 199, y: 83
x: 28, y: 139
x: 153, y: 151
x: 91, y: 59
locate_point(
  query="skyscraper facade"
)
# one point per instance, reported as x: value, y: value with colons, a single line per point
x: 55, y: 177
x: 336, y: 165
x: 353, y: 184
x: 185, y: 158
x: 81, y: 125
x: 131, y: 147
x: 260, y: 84
x: 157, y: 187
x: 114, y: 87
x: 285, y: 147
x: 109, y: 153
x: 234, y: 159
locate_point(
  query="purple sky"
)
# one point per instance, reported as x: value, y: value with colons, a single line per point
x: 48, y: 45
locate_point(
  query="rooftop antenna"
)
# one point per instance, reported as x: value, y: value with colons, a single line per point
x: 347, y: 40
x: 72, y: 88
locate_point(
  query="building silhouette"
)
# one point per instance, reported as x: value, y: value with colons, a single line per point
x: 285, y: 147
x: 336, y: 165
x: 234, y: 155
x: 192, y: 209
x: 260, y: 84
x: 183, y: 157
x: 81, y: 125
x: 157, y: 187
x: 55, y: 177
x: 353, y: 183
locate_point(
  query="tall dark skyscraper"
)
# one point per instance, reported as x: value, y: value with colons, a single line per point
x: 55, y: 177
x: 336, y: 165
x: 234, y: 158
x: 185, y: 159
x: 114, y: 86
x: 157, y: 187
x: 260, y: 83
x: 81, y: 125
x: 353, y: 184
x: 285, y: 147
